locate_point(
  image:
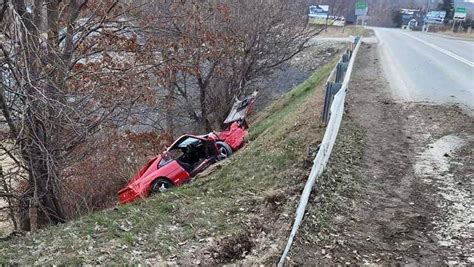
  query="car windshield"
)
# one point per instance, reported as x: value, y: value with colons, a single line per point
x: 177, y: 150
x: 186, y: 142
x: 173, y: 154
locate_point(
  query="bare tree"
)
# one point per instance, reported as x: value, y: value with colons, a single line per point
x: 213, y: 49
x: 59, y: 86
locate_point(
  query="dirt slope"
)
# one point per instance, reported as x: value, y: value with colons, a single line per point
x: 399, y: 185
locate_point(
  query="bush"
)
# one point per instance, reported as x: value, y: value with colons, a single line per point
x: 92, y: 183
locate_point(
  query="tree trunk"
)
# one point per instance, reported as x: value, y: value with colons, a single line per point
x: 42, y: 193
x: 169, y: 107
x: 33, y: 215
x: 204, y: 111
x: 40, y: 204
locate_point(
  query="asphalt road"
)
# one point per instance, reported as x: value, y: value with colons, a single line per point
x: 427, y: 67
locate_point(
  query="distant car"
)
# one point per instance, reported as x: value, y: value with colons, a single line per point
x: 189, y: 155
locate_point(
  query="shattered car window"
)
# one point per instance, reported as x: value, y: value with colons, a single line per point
x: 188, y: 141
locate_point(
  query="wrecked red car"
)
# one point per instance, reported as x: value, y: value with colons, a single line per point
x: 189, y: 155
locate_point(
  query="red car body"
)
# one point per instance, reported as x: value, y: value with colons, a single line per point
x: 189, y: 155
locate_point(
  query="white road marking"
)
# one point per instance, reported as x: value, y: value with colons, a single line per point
x: 444, y: 51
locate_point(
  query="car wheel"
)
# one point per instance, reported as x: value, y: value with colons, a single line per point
x: 224, y: 150
x: 160, y: 186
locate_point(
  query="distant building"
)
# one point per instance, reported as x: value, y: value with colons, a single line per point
x: 351, y: 18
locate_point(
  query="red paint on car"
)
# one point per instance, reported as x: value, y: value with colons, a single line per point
x: 189, y: 155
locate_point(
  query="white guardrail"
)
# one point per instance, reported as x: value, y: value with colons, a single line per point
x: 337, y: 110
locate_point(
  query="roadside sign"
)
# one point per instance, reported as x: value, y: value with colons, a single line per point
x: 435, y: 17
x: 361, y: 5
x: 460, y: 13
x: 361, y: 8
x: 318, y: 11
x: 318, y: 14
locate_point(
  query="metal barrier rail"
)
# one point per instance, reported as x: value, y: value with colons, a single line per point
x: 334, y: 100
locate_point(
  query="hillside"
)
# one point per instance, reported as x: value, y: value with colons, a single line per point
x: 243, y: 207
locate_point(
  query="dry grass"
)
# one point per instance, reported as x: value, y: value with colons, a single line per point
x: 339, y: 32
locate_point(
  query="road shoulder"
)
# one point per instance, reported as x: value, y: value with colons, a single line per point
x: 398, y: 188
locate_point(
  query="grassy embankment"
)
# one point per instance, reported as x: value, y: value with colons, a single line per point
x: 224, y: 203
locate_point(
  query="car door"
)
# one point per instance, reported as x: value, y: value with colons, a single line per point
x: 175, y: 173
x: 209, y: 157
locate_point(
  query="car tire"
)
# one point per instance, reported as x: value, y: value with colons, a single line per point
x: 224, y: 150
x: 159, y: 186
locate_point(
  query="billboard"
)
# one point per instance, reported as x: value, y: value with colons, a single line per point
x: 435, y: 17
x: 319, y: 11
x: 319, y: 14
x: 408, y: 15
x: 460, y: 13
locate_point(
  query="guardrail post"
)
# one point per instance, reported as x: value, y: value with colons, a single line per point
x: 344, y: 66
x: 346, y: 57
x: 341, y: 69
x: 327, y: 102
x: 349, y: 52
x: 335, y: 87
x: 356, y: 40
x: 338, y: 73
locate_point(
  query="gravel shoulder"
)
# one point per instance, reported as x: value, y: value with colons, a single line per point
x: 398, y: 188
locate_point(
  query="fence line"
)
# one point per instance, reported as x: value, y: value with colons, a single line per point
x: 336, y: 112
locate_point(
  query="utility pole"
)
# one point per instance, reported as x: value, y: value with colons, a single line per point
x: 426, y: 25
x: 327, y: 18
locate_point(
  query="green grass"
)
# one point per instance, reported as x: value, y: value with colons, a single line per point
x: 289, y: 102
x: 223, y: 203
